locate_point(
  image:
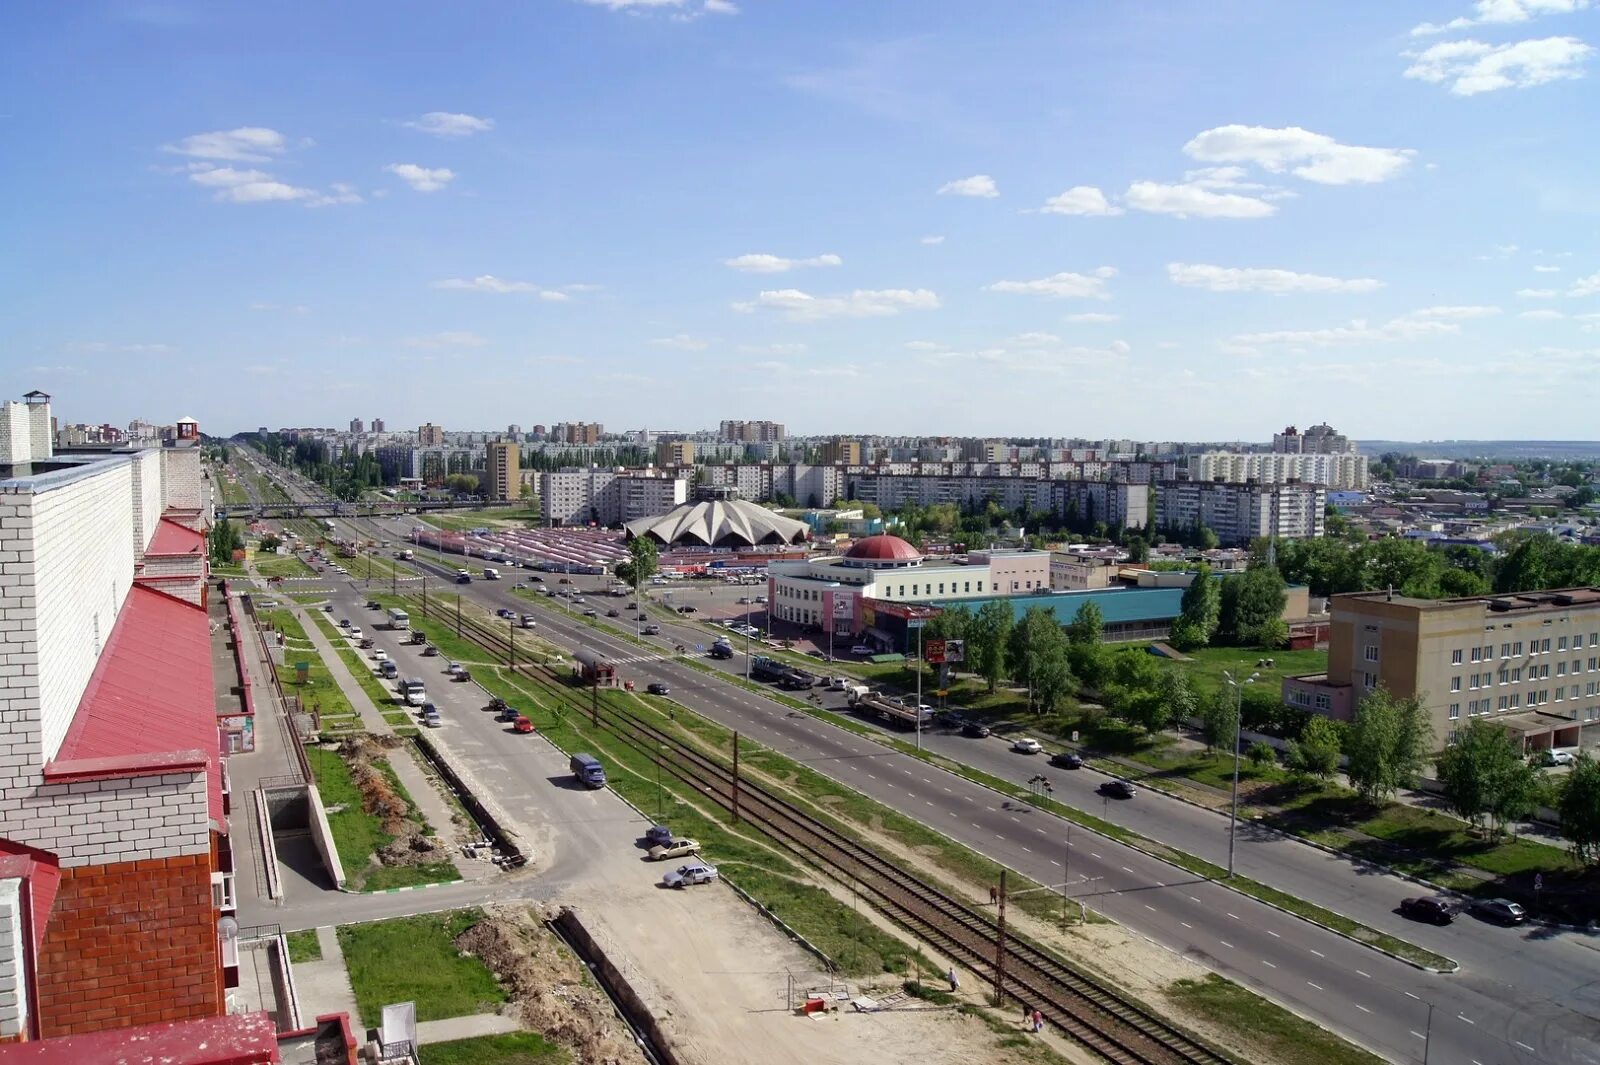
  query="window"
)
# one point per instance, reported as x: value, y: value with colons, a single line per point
x: 1488, y: 653
x: 1561, y: 643
x: 1455, y: 657
x: 1561, y: 692
x: 1370, y: 679
x: 1476, y: 654
x: 1544, y: 646
x: 1505, y: 701
x: 1561, y: 669
x: 1516, y: 649
x: 1324, y: 703
x: 1544, y: 671
x: 1516, y: 701
x: 902, y: 591
x: 980, y: 586
x: 1455, y: 684
x: 1370, y: 653
x: 1505, y: 650
x: 1455, y: 711
x: 1472, y: 682
x: 913, y: 589
x: 966, y: 586
x: 941, y: 587
x: 1505, y: 676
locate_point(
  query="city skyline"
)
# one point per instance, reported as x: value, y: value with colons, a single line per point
x: 912, y: 218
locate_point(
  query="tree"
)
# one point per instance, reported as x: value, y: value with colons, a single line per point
x: 1316, y: 752
x: 1133, y: 692
x: 1261, y: 595
x: 951, y: 623
x: 1205, y: 539
x: 1177, y: 693
x: 1387, y: 744
x: 462, y: 483
x: 642, y: 562
x: 987, y: 639
x: 1088, y: 624
x: 1052, y: 677
x: 1580, y: 809
x: 1036, y: 638
x: 1261, y: 753
x: 222, y: 541
x: 1138, y: 550
x: 1201, y: 610
x: 1484, y: 775
x: 270, y: 543
x: 1218, y: 720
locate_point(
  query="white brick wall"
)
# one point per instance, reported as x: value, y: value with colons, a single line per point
x: 13, y: 971
x: 181, y: 478
x: 146, y: 493
x: 121, y: 820
x: 15, y: 433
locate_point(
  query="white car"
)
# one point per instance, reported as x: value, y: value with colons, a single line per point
x: 356, y: 633
x: 380, y: 655
x: 1027, y: 746
x: 674, y: 848
x: 862, y: 649
x: 1554, y: 757
x: 693, y: 873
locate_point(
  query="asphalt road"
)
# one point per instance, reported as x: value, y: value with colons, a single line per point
x: 1512, y: 1001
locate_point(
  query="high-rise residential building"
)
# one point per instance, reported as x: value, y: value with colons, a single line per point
x: 1238, y: 513
x: 841, y: 452
x: 430, y: 435
x: 750, y: 432
x: 603, y: 496
x: 514, y: 430
x: 578, y: 432
x: 1340, y: 470
x: 377, y: 425
x: 1527, y: 661
x: 674, y: 453
x: 503, y: 476
x: 357, y: 427
x: 1317, y: 440
x: 539, y: 432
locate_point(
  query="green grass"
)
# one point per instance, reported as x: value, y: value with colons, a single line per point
x: 359, y: 667
x: 358, y: 835
x: 1439, y: 837
x: 1273, y: 1032
x: 415, y: 959
x: 510, y: 1048
x: 1209, y: 662
x: 282, y: 566
x: 303, y: 946
x: 320, y: 690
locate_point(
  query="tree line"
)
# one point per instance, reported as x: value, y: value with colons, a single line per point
x: 1523, y: 561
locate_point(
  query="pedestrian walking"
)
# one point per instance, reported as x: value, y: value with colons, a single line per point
x: 955, y: 983
x: 994, y: 895
x: 1027, y: 1015
x: 1038, y: 1022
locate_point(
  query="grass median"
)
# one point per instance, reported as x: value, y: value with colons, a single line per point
x: 1274, y: 1033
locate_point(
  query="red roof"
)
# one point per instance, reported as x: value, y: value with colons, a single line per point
x: 150, y: 705
x: 42, y: 871
x: 172, y: 538
x: 883, y: 548
x: 237, y: 1039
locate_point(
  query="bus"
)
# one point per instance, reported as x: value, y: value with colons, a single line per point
x: 327, y: 525
x: 399, y: 619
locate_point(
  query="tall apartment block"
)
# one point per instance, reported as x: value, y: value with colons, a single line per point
x: 115, y: 867
x: 841, y: 452
x: 1529, y: 662
x: 1238, y: 513
x: 430, y: 435
x: 675, y: 453
x: 503, y: 474
x: 758, y: 432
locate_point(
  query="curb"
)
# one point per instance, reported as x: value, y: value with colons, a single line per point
x: 412, y: 887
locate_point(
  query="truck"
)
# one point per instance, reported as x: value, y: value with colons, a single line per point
x: 797, y: 680
x: 588, y: 770
x: 413, y: 691
x: 894, y: 711
x: 490, y: 573
x: 769, y: 669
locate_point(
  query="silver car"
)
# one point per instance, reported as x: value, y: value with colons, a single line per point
x: 693, y: 873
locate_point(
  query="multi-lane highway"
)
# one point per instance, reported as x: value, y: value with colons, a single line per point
x: 1516, y: 999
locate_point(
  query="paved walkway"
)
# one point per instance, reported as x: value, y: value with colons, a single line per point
x: 464, y: 1027
x: 324, y: 985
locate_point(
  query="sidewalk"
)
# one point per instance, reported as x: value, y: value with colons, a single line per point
x: 324, y: 985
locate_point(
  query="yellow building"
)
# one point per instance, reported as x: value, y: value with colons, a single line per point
x: 503, y: 477
x: 674, y: 453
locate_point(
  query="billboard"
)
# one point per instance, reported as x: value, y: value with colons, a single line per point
x: 933, y: 651
x: 955, y: 650
x: 842, y: 602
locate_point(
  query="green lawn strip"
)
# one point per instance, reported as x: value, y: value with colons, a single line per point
x: 414, y: 959
x: 282, y: 566
x: 507, y: 1048
x: 1276, y: 1034
x: 1433, y: 834
x: 359, y: 668
x: 1208, y: 664
x: 320, y: 689
x: 303, y: 946
x: 357, y: 835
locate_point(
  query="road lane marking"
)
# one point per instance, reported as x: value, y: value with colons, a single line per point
x: 1092, y: 854
x: 1419, y: 1035
x: 1524, y: 1046
x: 1268, y: 964
x: 1317, y: 986
x: 1028, y: 849
x: 1191, y: 897
x: 1360, y: 973
x: 1234, y: 916
x: 872, y: 776
x: 1411, y: 995
x: 1149, y: 907
x: 1125, y: 869
x: 1187, y: 925
x: 1273, y: 934
x: 1225, y: 943
x: 1360, y: 1007
x: 1054, y: 862
x: 1469, y: 1020
x: 1318, y: 953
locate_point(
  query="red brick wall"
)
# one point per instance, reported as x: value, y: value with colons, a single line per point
x: 130, y: 943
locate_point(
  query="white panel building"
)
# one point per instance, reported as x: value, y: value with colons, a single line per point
x: 1237, y: 513
x: 1339, y: 470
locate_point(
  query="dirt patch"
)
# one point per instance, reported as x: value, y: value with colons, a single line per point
x: 367, y: 756
x: 551, y: 991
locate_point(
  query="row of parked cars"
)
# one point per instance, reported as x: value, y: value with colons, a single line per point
x: 1437, y: 909
x: 663, y: 846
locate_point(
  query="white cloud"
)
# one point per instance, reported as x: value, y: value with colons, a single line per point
x: 1061, y: 286
x: 292, y: 308
x: 925, y: 345
x: 1588, y: 286
x: 451, y: 124
x: 1034, y: 339
x: 1312, y: 156
x: 1455, y: 312
x: 251, y: 144
x: 1080, y: 200
x: 247, y: 186
x: 759, y: 263
x: 681, y: 342
x: 1544, y: 314
x: 805, y: 370
x: 456, y: 338
x: 1236, y: 279
x: 1194, y: 200
x: 772, y: 349
x: 680, y: 10
x: 979, y: 185
x: 1092, y: 318
x: 339, y: 193
x: 1537, y: 293
x: 1547, y: 269
x: 421, y: 178
x: 1473, y: 67
x: 499, y: 286
x: 933, y: 240
x: 800, y: 306
x: 1492, y: 12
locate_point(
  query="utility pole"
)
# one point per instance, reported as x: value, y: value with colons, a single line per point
x: 1238, y: 732
x: 458, y: 614
x: 424, y: 593
x: 594, y: 695
x: 511, y: 623
x: 1000, y: 945
x: 736, y: 778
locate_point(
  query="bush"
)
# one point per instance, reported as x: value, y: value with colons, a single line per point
x: 1261, y: 753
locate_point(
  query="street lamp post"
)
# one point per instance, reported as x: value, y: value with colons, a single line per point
x: 1238, y: 730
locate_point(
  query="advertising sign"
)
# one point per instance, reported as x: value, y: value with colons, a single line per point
x: 841, y: 605
x: 955, y: 650
x: 933, y: 651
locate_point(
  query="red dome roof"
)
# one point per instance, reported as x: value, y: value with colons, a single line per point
x: 883, y: 548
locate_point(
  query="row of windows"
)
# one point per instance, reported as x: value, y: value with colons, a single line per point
x: 1514, y: 675
x: 1513, y: 649
x: 1513, y: 701
x: 916, y: 589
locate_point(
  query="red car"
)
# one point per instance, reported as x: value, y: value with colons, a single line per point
x: 523, y: 724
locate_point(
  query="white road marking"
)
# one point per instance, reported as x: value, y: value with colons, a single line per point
x: 1092, y: 854
x: 1419, y: 1035
x: 1469, y: 1020
x: 872, y: 776
x: 1225, y: 943
x: 1234, y: 916
x: 1125, y: 869
x: 1524, y: 1046
x: 1268, y: 964
x: 1054, y: 862
x: 1410, y: 995
x: 1362, y: 1008
x: 1360, y: 973
x: 1273, y: 934
x: 1028, y: 849
x: 1317, y: 986
x: 1187, y: 925
x: 1318, y: 953
x: 1149, y: 907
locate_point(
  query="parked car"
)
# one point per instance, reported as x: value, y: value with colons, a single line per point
x: 355, y: 633
x: 462, y: 675
x: 633, y: 606
x: 1118, y: 789
x: 863, y: 649
x: 535, y: 578
x: 344, y: 623
x: 674, y: 848
x: 761, y: 599
x: 657, y: 688
x: 504, y: 612
x: 1433, y: 908
x: 372, y: 604
x: 507, y: 713
x: 522, y: 724
x: 1066, y: 760
x: 380, y: 655
x: 657, y: 835
x: 429, y: 651
x: 591, y: 613
x: 1502, y: 910
x: 975, y: 729
x: 388, y: 669
x: 686, y: 609
x: 1026, y: 746
x: 1555, y: 757
x: 743, y: 600
x: 693, y: 873
x: 327, y: 608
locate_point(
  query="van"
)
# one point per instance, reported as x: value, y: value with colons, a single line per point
x: 389, y: 669
x: 414, y: 691
x: 588, y: 770
x: 490, y: 574
x: 529, y: 621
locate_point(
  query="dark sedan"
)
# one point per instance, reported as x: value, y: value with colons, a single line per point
x: 657, y: 688
x: 1502, y: 910
x: 1066, y: 760
x: 1118, y: 789
x: 976, y: 729
x: 1430, y: 908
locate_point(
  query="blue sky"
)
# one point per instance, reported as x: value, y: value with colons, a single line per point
x: 1163, y: 220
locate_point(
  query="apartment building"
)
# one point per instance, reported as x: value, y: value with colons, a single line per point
x: 578, y: 432
x: 607, y: 495
x: 115, y: 866
x: 1528, y: 661
x: 1318, y: 440
x: 840, y: 452
x: 1238, y: 513
x: 1344, y: 471
x: 502, y: 470
x: 674, y: 453
x: 750, y: 432
x: 430, y: 435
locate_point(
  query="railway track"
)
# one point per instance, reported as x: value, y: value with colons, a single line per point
x: 1082, y: 1006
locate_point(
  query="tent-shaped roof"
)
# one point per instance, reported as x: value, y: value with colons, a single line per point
x: 719, y: 523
